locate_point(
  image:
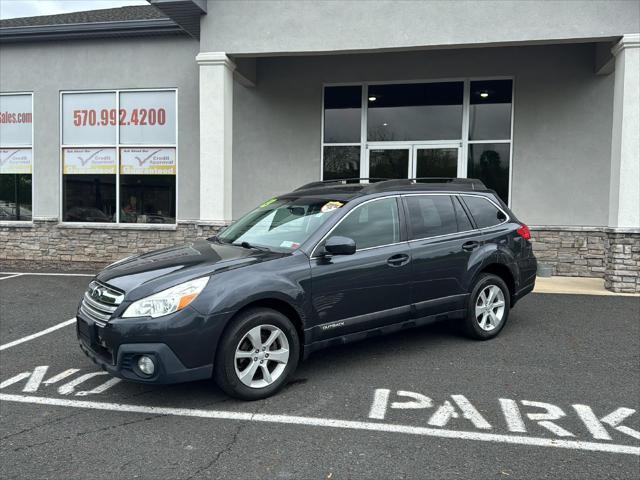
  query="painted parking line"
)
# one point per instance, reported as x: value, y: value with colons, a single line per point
x: 38, y: 334
x: 10, y: 275
x: 327, y: 423
x: 44, y: 274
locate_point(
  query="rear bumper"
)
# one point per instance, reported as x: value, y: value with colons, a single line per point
x: 122, y: 362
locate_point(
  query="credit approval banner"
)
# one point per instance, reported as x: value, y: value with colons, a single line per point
x: 147, y: 161
x: 16, y: 160
x: 84, y: 161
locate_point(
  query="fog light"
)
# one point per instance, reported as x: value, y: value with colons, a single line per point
x: 146, y: 365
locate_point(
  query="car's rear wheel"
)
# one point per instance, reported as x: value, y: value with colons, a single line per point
x: 257, y: 353
x: 488, y: 307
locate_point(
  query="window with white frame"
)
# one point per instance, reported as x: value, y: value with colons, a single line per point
x: 119, y: 156
x: 342, y: 132
x: 16, y: 156
x: 489, y: 154
x: 431, y: 128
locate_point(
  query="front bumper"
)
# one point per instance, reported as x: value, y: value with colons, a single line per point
x: 117, y: 353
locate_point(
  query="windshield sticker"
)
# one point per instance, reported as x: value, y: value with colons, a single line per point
x: 291, y: 245
x: 268, y: 202
x: 330, y: 206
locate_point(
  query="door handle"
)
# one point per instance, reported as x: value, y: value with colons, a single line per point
x: 469, y: 246
x: 398, y: 260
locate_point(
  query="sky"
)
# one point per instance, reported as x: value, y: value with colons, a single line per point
x: 30, y: 8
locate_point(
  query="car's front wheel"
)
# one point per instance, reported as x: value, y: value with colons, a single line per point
x: 488, y: 307
x: 257, y: 353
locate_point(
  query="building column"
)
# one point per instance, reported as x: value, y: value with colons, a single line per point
x: 624, y: 193
x: 216, y: 129
x: 622, y: 248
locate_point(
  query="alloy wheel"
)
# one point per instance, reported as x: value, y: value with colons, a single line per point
x: 490, y: 308
x: 261, y: 356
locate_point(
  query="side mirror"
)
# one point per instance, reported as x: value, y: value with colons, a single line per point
x: 340, y: 246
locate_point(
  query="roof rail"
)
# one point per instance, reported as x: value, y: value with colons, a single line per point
x: 471, y: 183
x: 341, y: 181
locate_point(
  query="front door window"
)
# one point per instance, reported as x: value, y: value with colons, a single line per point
x: 389, y: 163
x: 414, y: 161
x: 436, y: 162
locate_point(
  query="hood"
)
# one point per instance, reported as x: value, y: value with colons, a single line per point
x: 164, y: 268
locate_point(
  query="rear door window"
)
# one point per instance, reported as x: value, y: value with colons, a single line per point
x: 373, y: 224
x: 485, y: 213
x: 431, y: 215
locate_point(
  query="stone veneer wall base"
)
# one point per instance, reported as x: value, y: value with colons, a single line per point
x: 50, y: 245
x: 612, y: 254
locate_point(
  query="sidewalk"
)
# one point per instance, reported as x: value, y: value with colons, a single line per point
x: 575, y: 285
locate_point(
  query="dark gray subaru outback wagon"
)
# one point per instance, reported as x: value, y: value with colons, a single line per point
x: 329, y: 263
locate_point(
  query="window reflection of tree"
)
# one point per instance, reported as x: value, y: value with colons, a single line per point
x: 437, y: 163
x: 382, y: 134
x: 341, y: 162
x: 389, y: 164
x: 493, y: 171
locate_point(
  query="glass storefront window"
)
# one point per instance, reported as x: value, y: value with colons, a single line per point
x: 489, y: 162
x: 490, y: 110
x: 389, y: 163
x: 89, y: 198
x: 341, y: 162
x: 436, y: 162
x: 15, y: 197
x: 119, y: 156
x: 16, y: 156
x: 420, y: 129
x: 421, y: 111
x: 148, y: 118
x: 147, y: 198
x: 342, y: 114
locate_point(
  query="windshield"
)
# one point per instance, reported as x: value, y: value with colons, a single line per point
x: 281, y: 224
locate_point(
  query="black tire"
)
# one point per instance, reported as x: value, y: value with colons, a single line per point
x: 471, y: 323
x: 224, y: 370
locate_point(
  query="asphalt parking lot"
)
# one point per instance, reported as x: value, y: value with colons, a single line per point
x: 556, y: 395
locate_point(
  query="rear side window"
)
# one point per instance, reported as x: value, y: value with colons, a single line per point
x: 431, y: 215
x: 464, y: 224
x: 485, y: 213
x: 372, y: 225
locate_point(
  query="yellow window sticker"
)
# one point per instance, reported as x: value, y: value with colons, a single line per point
x: 268, y: 202
x: 330, y: 206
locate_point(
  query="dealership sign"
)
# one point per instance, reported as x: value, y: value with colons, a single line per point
x: 16, y: 120
x: 90, y: 161
x: 148, y: 161
x: 16, y: 160
x: 138, y: 118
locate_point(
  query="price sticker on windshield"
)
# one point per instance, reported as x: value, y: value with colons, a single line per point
x: 330, y: 206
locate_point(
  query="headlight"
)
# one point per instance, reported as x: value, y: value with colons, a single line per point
x: 167, y: 301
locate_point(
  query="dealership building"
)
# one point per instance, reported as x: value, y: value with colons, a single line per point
x: 130, y: 129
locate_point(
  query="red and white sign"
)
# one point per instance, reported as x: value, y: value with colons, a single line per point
x: 148, y: 118
x: 147, y: 161
x: 16, y: 120
x: 143, y: 118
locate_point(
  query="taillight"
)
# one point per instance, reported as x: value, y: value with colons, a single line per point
x: 524, y: 232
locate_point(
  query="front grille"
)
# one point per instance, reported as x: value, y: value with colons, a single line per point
x: 100, y: 301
